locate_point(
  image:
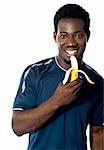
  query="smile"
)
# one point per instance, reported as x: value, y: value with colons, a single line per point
x: 71, y: 52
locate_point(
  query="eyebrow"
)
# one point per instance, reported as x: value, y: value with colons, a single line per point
x: 74, y: 32
x: 64, y: 32
x: 79, y: 31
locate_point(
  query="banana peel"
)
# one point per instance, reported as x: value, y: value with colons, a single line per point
x: 72, y: 73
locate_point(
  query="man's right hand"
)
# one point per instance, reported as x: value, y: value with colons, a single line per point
x: 65, y: 94
x: 31, y: 120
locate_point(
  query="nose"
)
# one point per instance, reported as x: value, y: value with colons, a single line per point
x: 71, y: 41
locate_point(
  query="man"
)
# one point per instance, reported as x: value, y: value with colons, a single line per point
x: 55, y: 115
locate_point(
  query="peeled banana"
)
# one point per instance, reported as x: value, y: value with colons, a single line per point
x: 72, y: 73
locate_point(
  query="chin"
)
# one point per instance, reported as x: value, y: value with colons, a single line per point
x: 67, y: 61
x: 67, y: 58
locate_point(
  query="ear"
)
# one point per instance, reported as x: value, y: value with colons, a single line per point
x: 54, y: 36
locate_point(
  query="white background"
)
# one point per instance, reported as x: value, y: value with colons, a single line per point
x: 26, y: 36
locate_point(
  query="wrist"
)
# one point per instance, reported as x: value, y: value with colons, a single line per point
x: 54, y: 103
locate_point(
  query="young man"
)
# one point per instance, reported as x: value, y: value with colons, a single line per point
x: 55, y: 115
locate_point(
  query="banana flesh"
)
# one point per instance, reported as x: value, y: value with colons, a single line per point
x: 72, y: 73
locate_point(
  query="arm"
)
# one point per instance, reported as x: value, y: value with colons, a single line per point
x: 97, y: 136
x: 32, y: 119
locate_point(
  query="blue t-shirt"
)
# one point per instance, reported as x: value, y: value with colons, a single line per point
x: 67, y: 129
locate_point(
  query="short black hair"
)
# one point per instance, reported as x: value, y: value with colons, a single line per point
x: 73, y: 11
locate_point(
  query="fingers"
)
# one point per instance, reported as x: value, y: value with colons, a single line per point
x: 77, y: 90
x: 67, y: 93
x: 75, y: 86
x: 78, y: 85
x: 74, y: 83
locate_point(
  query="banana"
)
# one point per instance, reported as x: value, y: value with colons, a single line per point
x: 72, y: 73
x: 74, y: 68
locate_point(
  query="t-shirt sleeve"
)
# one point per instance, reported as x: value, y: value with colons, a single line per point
x: 97, y: 112
x: 27, y: 93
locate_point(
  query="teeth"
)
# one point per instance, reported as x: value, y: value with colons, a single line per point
x: 71, y: 52
x: 73, y: 72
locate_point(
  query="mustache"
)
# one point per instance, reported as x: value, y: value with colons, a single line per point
x: 70, y: 47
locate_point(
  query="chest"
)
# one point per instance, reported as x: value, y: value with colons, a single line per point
x: 80, y: 107
x: 47, y: 85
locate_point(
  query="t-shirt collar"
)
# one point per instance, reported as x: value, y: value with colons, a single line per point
x: 57, y: 63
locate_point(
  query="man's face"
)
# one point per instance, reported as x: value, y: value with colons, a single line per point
x: 71, y: 40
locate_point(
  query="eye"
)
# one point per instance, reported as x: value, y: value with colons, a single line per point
x: 63, y: 36
x: 78, y: 36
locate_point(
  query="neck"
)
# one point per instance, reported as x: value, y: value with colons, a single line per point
x: 63, y: 63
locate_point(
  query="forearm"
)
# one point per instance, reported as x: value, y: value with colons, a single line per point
x: 98, y: 143
x: 32, y: 119
x: 97, y: 138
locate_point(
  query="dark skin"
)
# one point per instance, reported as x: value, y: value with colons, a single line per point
x: 71, y: 40
x: 32, y: 119
x: 97, y: 137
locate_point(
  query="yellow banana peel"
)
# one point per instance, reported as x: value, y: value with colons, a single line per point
x: 72, y: 73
